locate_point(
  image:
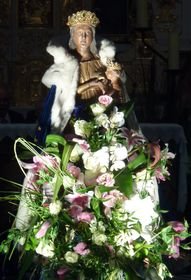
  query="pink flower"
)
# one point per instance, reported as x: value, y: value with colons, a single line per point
x: 82, y: 143
x: 42, y: 162
x: 175, y: 248
x: 81, y: 201
x: 61, y: 272
x: 106, y: 179
x: 77, y: 199
x: 105, y: 100
x: 43, y: 229
x: 159, y: 175
x: 85, y: 217
x: 30, y: 179
x: 81, y: 249
x: 74, y: 211
x: 177, y: 226
x: 74, y: 170
x: 111, y: 198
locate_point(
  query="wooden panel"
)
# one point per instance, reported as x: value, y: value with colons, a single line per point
x: 35, y: 13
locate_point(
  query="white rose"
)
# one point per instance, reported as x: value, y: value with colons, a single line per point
x: 97, y: 109
x: 46, y: 250
x: 99, y: 238
x: 55, y: 207
x: 98, y: 161
x: 82, y: 128
x: 117, y: 119
x: 102, y: 120
x: 71, y: 257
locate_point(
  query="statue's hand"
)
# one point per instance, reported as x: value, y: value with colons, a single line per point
x: 102, y: 83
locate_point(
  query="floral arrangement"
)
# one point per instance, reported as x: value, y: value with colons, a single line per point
x: 89, y: 206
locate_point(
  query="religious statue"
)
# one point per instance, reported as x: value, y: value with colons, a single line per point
x: 80, y: 74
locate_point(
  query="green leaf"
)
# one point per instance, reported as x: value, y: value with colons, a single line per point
x: 125, y: 181
x: 54, y: 138
x: 67, y: 219
x: 66, y: 155
x: 140, y: 160
x: 58, y: 184
x: 103, y: 188
x: 95, y: 204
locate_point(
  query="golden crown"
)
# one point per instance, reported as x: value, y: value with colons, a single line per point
x: 81, y: 17
x: 113, y: 65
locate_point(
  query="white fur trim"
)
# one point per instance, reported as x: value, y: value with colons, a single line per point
x: 107, y: 51
x: 64, y: 74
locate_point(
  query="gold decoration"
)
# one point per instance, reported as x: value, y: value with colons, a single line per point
x: 113, y: 65
x: 83, y: 17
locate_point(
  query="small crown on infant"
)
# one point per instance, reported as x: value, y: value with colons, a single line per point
x: 113, y: 65
x: 83, y: 17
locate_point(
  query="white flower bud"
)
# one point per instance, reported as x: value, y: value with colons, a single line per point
x: 55, y: 207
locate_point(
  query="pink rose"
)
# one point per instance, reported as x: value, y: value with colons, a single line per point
x: 81, y: 249
x: 74, y: 170
x: 105, y: 100
x: 106, y: 179
x: 111, y: 198
x: 43, y: 229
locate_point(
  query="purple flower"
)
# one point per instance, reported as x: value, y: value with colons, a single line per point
x: 177, y: 226
x: 77, y: 199
x: 75, y: 210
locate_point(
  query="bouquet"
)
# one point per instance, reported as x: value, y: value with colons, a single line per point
x: 89, y: 205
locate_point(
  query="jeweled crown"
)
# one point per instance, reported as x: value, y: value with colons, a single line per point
x: 113, y: 65
x: 83, y: 17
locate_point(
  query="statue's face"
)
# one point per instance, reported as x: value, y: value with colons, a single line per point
x: 82, y: 36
